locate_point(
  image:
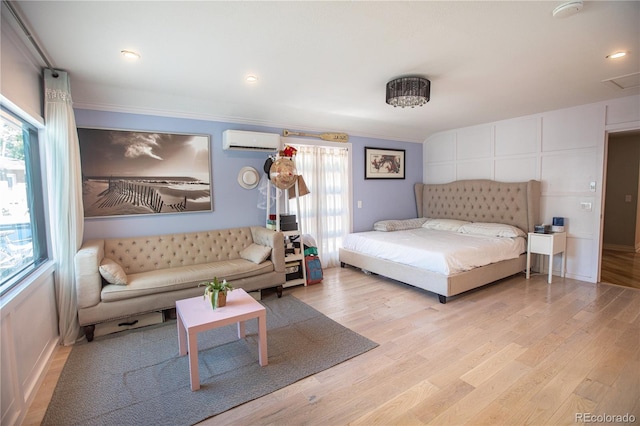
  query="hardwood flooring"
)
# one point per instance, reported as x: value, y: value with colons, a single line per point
x: 515, y: 352
x: 620, y: 267
x: 38, y: 407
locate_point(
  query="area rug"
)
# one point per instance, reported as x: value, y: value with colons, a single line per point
x: 136, y: 377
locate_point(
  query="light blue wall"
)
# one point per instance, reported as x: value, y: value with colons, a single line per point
x: 235, y: 206
x: 384, y: 198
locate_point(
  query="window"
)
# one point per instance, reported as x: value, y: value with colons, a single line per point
x: 23, y: 243
x: 325, y: 213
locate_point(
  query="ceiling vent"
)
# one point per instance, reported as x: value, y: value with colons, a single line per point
x: 629, y: 81
x: 250, y: 141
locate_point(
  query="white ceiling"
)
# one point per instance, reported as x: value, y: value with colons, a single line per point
x: 323, y: 66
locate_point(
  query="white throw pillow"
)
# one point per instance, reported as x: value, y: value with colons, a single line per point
x: 112, y: 272
x: 444, y: 224
x: 492, y: 230
x: 255, y: 253
x: 398, y: 225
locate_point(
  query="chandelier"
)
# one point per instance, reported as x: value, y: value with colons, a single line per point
x: 408, y: 92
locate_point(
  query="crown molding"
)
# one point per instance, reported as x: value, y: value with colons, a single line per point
x: 223, y: 119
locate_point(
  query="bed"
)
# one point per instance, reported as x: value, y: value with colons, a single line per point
x: 478, y: 201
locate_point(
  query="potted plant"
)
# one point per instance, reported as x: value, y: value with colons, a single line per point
x: 216, y: 292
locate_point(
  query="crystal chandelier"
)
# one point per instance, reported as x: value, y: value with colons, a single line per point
x: 408, y: 92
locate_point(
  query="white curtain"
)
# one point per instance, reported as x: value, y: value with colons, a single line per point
x: 325, y: 210
x: 65, y: 197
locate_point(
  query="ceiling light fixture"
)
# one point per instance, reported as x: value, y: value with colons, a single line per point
x: 408, y: 92
x: 616, y: 55
x: 251, y: 79
x: 567, y: 9
x: 130, y: 54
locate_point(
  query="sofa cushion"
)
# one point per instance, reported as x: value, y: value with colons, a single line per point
x: 178, y: 278
x: 144, y: 254
x: 112, y: 272
x: 256, y: 253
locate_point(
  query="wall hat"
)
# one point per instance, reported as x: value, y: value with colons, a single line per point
x: 248, y: 178
x: 283, y: 173
x: 408, y: 92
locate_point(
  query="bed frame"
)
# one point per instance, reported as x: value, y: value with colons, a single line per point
x: 479, y: 200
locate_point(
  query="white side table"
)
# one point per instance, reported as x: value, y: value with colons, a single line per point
x: 547, y: 244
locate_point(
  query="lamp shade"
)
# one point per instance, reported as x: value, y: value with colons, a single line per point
x: 408, y: 92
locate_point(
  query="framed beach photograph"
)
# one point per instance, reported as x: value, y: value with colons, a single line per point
x: 382, y: 163
x: 128, y: 172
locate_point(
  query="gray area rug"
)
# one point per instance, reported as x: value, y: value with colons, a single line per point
x: 137, y: 377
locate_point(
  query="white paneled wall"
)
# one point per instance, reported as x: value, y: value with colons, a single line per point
x: 564, y: 149
x: 28, y: 337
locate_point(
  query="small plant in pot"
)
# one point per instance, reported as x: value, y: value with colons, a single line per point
x: 216, y: 292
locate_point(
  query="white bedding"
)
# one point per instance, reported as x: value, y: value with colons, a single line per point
x: 444, y: 252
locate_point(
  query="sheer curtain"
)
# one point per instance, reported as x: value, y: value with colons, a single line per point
x: 65, y: 197
x: 325, y: 211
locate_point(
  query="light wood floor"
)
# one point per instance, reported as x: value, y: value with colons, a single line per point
x: 620, y: 267
x: 516, y: 352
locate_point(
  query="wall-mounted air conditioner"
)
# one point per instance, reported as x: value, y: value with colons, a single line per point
x: 250, y: 141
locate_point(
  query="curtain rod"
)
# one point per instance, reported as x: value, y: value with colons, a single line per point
x: 33, y: 41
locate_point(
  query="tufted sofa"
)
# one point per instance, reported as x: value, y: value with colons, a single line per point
x: 158, y: 270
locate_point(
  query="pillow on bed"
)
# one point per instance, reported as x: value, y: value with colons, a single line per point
x: 444, y: 224
x: 399, y: 225
x: 492, y: 230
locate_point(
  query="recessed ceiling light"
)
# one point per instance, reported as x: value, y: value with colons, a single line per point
x: 130, y: 54
x: 617, y: 55
x: 251, y: 79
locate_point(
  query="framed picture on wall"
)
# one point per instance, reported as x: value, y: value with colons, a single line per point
x: 382, y: 163
x: 129, y: 172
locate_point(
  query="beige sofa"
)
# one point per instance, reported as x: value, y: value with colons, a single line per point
x: 148, y: 274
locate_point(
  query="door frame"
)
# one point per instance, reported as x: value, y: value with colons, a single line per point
x: 616, y: 129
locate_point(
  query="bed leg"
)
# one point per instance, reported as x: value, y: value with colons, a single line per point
x: 342, y: 264
x: 443, y: 299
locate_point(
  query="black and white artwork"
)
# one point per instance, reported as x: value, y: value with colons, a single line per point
x: 128, y: 172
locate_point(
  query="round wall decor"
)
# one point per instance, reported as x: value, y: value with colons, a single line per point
x: 248, y: 178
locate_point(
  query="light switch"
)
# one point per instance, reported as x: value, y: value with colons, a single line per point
x: 592, y: 186
x: 586, y: 206
x: 359, y: 204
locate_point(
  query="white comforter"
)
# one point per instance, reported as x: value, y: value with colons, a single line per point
x: 444, y: 252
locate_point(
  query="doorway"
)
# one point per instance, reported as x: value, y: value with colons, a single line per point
x: 620, y: 257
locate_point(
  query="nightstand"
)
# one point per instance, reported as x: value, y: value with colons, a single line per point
x: 550, y: 245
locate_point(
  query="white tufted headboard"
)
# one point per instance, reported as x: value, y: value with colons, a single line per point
x: 482, y: 200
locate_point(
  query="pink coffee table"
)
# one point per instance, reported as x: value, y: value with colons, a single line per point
x: 196, y: 315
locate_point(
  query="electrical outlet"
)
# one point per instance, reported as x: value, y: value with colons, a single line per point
x: 586, y: 206
x: 359, y: 204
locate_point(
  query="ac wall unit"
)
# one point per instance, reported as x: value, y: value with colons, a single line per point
x: 250, y: 141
